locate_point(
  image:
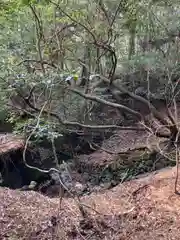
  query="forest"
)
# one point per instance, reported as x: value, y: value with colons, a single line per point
x: 90, y: 99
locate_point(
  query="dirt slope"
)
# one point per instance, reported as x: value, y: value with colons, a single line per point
x: 145, y: 208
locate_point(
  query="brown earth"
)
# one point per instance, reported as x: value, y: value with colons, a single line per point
x: 145, y: 208
x: 122, y: 141
x: 10, y: 142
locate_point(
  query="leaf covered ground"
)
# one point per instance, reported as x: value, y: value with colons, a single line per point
x: 145, y: 208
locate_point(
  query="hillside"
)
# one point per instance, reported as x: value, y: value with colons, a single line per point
x: 89, y: 120
x: 145, y: 208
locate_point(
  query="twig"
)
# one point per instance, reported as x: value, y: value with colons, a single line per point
x: 116, y: 13
x: 177, y: 163
x: 39, y: 35
x: 143, y: 148
x: 169, y: 113
x: 80, y: 205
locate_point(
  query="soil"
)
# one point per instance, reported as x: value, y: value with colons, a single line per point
x: 10, y: 142
x: 145, y: 208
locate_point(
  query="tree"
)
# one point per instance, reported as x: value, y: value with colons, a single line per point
x: 82, y: 40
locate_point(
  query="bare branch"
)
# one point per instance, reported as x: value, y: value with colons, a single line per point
x: 153, y: 110
x: 76, y: 124
x: 169, y: 113
x: 102, y: 127
x: 37, y: 61
x: 65, y: 27
x: 96, y: 147
x: 103, y: 9
x: 39, y: 35
x: 116, y: 13
x: 75, y: 21
x: 177, y: 163
x: 102, y: 45
x: 114, y: 105
x: 150, y: 128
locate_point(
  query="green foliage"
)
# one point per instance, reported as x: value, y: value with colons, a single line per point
x: 61, y: 33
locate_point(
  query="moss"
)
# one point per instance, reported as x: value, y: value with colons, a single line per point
x: 128, y: 165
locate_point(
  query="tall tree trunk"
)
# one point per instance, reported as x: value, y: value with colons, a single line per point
x: 85, y: 72
x: 132, y: 36
x: 98, y: 68
x: 87, y: 65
